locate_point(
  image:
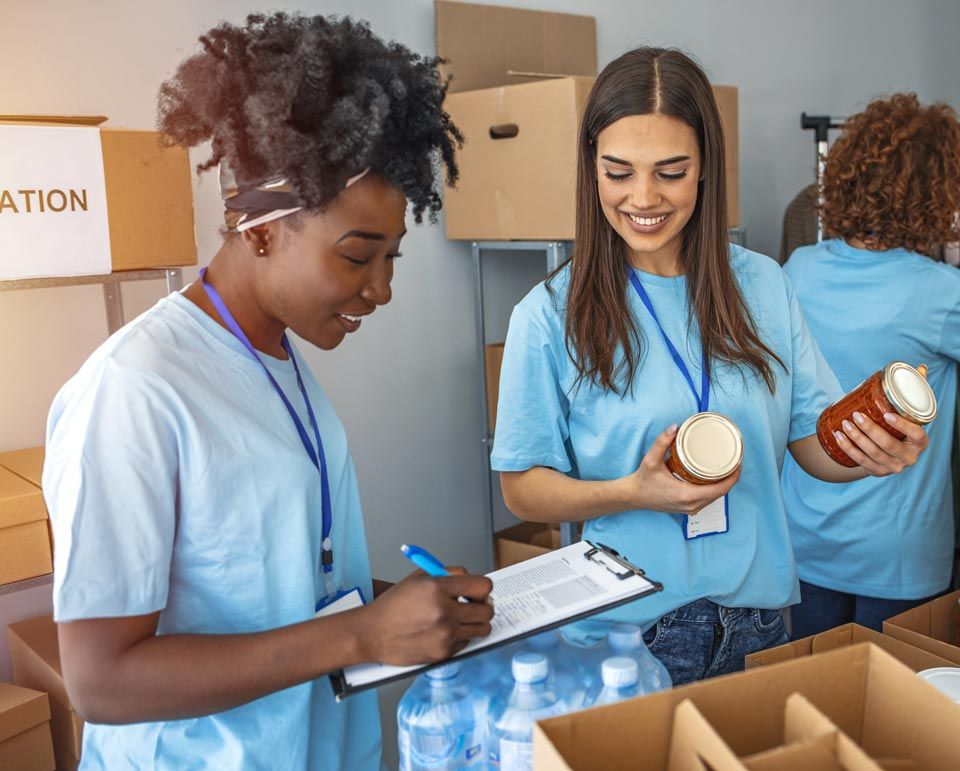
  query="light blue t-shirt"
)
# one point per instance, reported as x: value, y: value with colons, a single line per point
x: 888, y: 537
x: 593, y: 434
x: 176, y: 482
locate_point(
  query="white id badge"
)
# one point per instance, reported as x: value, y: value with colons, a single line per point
x: 345, y: 600
x: 713, y: 519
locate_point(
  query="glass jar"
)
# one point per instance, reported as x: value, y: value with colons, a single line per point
x: 707, y: 448
x: 897, y: 388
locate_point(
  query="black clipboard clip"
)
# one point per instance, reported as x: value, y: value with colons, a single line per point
x: 612, y: 560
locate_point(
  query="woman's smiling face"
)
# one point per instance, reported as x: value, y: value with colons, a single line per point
x: 648, y: 172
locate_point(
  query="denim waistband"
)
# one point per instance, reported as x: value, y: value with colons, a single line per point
x: 707, y: 612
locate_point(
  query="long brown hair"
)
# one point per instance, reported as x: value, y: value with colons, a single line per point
x: 599, y: 322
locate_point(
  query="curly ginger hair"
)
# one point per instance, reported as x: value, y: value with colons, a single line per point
x: 892, y: 179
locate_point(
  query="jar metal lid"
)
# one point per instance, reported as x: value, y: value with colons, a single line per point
x: 909, y: 392
x: 709, y: 445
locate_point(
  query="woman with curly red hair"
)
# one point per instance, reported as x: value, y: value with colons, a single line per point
x: 874, y: 292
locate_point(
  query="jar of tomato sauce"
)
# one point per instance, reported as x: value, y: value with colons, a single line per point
x: 707, y: 448
x: 897, y: 388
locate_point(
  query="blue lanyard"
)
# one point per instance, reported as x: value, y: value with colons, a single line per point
x: 703, y: 398
x: 316, y: 457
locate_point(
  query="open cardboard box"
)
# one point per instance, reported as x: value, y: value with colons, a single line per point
x: 35, y: 653
x: 25, y: 743
x: 810, y: 742
x: 520, y: 83
x: 870, y: 696
x: 524, y: 541
x: 149, y: 195
x: 931, y: 626
x: 27, y: 464
x: 843, y: 636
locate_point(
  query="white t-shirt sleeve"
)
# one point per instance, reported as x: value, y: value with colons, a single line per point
x: 814, y: 387
x: 532, y: 411
x: 110, y: 482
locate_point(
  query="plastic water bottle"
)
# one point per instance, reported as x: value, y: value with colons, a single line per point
x: 627, y: 640
x: 437, y: 723
x: 571, y: 676
x: 512, y: 715
x: 621, y: 676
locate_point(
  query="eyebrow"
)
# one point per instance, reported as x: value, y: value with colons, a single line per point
x: 664, y: 162
x: 362, y: 234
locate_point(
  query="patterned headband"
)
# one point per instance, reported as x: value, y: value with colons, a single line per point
x: 252, y: 203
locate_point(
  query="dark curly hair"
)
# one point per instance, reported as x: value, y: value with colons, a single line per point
x: 892, y: 179
x: 317, y: 100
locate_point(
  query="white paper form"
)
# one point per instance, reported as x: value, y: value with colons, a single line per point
x: 540, y: 593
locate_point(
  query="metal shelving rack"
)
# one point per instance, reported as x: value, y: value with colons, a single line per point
x: 113, y: 306
x: 556, y: 253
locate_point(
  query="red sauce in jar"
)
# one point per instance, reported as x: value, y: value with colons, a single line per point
x: 898, y: 388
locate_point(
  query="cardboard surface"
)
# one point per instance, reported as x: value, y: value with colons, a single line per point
x: 21, y: 709
x: 518, y: 164
x: 35, y: 653
x: 843, y: 636
x: 149, y: 196
x: 483, y: 44
x: 931, y: 627
x: 493, y: 360
x: 867, y: 694
x: 26, y: 464
x: 524, y: 541
x: 31, y: 750
x: 24, y: 532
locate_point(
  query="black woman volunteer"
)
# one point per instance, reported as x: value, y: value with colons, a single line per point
x: 204, y: 502
x: 870, y: 550
x: 656, y: 317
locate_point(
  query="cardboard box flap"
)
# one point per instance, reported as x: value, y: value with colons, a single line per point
x: 34, y: 642
x: 694, y: 744
x: 803, y: 721
x: 482, y: 44
x: 20, y: 501
x: 60, y: 120
x: 21, y: 709
x: 27, y: 464
x: 931, y: 626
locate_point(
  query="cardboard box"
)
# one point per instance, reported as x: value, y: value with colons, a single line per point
x: 149, y: 199
x: 493, y: 359
x: 488, y: 45
x: 518, y: 166
x: 35, y: 653
x: 25, y: 743
x: 27, y: 464
x: 524, y: 541
x: 842, y: 636
x: 870, y: 696
x: 931, y: 626
x: 24, y: 530
x: 810, y: 742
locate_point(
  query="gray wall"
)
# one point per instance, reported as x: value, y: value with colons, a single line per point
x: 407, y: 386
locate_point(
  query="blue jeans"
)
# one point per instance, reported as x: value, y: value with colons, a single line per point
x: 821, y: 609
x: 704, y: 639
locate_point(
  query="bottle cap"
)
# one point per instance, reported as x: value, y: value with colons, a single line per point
x: 446, y: 672
x: 625, y: 637
x: 709, y: 446
x: 529, y: 667
x: 909, y: 392
x: 619, y: 672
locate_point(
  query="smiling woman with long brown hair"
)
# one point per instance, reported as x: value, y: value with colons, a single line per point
x: 655, y: 318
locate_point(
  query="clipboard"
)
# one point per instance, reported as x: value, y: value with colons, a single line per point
x: 571, y: 584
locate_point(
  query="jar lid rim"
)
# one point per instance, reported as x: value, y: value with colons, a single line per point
x: 710, y: 468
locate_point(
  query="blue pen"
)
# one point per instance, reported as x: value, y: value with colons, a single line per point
x: 424, y: 560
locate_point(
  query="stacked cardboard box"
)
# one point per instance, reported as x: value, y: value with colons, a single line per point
x: 149, y: 199
x: 25, y: 743
x: 932, y: 626
x: 24, y: 530
x: 843, y: 636
x: 895, y: 718
x: 520, y: 80
x: 35, y: 653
